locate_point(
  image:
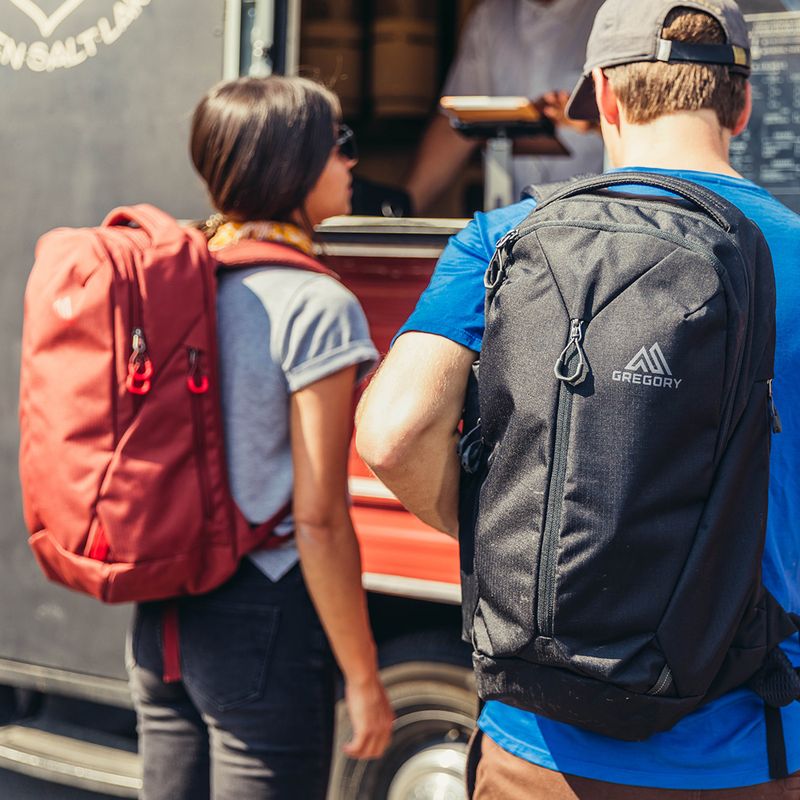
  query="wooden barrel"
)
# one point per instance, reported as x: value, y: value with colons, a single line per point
x: 331, y: 51
x: 404, y: 66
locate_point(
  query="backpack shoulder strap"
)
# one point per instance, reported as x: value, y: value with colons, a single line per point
x: 252, y: 253
x: 725, y: 214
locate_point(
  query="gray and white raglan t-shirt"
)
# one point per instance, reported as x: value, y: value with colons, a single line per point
x: 280, y: 329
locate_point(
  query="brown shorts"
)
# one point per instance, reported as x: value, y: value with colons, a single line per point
x: 495, y: 774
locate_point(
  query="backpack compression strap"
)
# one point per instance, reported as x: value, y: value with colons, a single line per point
x: 171, y: 671
x: 266, y: 530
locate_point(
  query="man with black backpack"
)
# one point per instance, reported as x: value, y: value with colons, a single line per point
x: 633, y: 614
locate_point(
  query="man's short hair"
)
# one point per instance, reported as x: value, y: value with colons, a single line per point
x: 648, y: 90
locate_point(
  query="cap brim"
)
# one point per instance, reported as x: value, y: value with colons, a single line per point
x: 581, y: 104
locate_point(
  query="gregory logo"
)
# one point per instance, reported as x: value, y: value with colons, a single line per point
x: 66, y: 20
x: 649, y: 368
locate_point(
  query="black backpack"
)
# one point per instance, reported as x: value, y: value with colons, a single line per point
x: 614, y: 489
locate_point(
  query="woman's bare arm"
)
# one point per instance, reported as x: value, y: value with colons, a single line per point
x: 321, y: 428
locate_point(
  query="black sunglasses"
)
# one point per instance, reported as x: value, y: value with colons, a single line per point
x: 346, y: 142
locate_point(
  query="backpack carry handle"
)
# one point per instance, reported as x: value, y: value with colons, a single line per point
x: 715, y: 206
x: 156, y: 223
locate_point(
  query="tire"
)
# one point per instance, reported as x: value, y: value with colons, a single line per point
x: 432, y: 690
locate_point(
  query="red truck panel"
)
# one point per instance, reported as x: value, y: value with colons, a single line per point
x: 393, y: 542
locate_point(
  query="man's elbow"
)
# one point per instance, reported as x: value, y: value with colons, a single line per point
x: 384, y: 448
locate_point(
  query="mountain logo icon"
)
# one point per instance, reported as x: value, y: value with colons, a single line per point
x: 651, y: 361
x: 648, y: 367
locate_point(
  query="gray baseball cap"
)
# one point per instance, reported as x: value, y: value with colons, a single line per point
x: 627, y: 31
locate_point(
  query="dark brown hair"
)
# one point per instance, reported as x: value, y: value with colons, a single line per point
x: 260, y: 144
x: 650, y: 90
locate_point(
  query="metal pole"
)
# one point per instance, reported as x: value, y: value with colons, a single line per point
x: 292, y: 37
x: 498, y: 173
x: 262, y: 39
x: 231, y: 48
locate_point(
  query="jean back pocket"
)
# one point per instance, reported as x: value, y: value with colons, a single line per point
x: 226, y: 649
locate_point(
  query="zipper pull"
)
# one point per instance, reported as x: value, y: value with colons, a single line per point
x: 495, y: 272
x: 777, y: 427
x: 138, y: 344
x: 470, y: 450
x: 567, y: 355
x: 505, y: 239
x: 196, y: 382
x: 140, y: 367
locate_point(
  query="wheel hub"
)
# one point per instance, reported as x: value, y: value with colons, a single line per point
x: 436, y: 773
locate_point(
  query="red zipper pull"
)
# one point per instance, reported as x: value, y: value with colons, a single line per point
x: 140, y: 367
x: 196, y: 382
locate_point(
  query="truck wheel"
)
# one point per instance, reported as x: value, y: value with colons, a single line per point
x: 433, y: 696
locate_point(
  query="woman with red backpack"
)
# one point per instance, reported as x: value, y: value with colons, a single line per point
x: 252, y: 715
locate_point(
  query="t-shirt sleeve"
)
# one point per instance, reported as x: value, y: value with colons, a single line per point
x: 452, y: 304
x: 470, y: 72
x: 323, y: 331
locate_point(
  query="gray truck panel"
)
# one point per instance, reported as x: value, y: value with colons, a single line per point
x: 75, y: 142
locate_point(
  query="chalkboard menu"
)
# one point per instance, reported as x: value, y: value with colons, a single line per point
x: 768, y: 152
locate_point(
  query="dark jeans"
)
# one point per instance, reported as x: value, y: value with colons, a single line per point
x: 253, y: 715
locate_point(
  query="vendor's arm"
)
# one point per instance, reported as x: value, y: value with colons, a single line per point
x: 442, y: 154
x: 443, y: 151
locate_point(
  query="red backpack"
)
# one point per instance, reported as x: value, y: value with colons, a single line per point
x: 122, y: 460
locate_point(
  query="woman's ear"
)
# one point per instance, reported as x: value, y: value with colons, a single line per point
x: 606, y: 99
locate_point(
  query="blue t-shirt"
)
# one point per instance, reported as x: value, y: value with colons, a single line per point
x: 723, y: 744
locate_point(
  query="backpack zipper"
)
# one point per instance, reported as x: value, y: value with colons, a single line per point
x: 569, y: 374
x: 663, y: 683
x: 197, y: 384
x: 774, y: 416
x: 140, y: 367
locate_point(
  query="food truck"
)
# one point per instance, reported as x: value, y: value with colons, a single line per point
x: 97, y: 97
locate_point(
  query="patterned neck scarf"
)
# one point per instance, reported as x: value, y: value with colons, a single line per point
x: 283, y: 232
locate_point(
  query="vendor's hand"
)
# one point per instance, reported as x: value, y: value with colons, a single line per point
x: 553, y: 105
x: 371, y: 718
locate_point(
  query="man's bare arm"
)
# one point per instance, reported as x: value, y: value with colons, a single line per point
x: 407, y: 425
